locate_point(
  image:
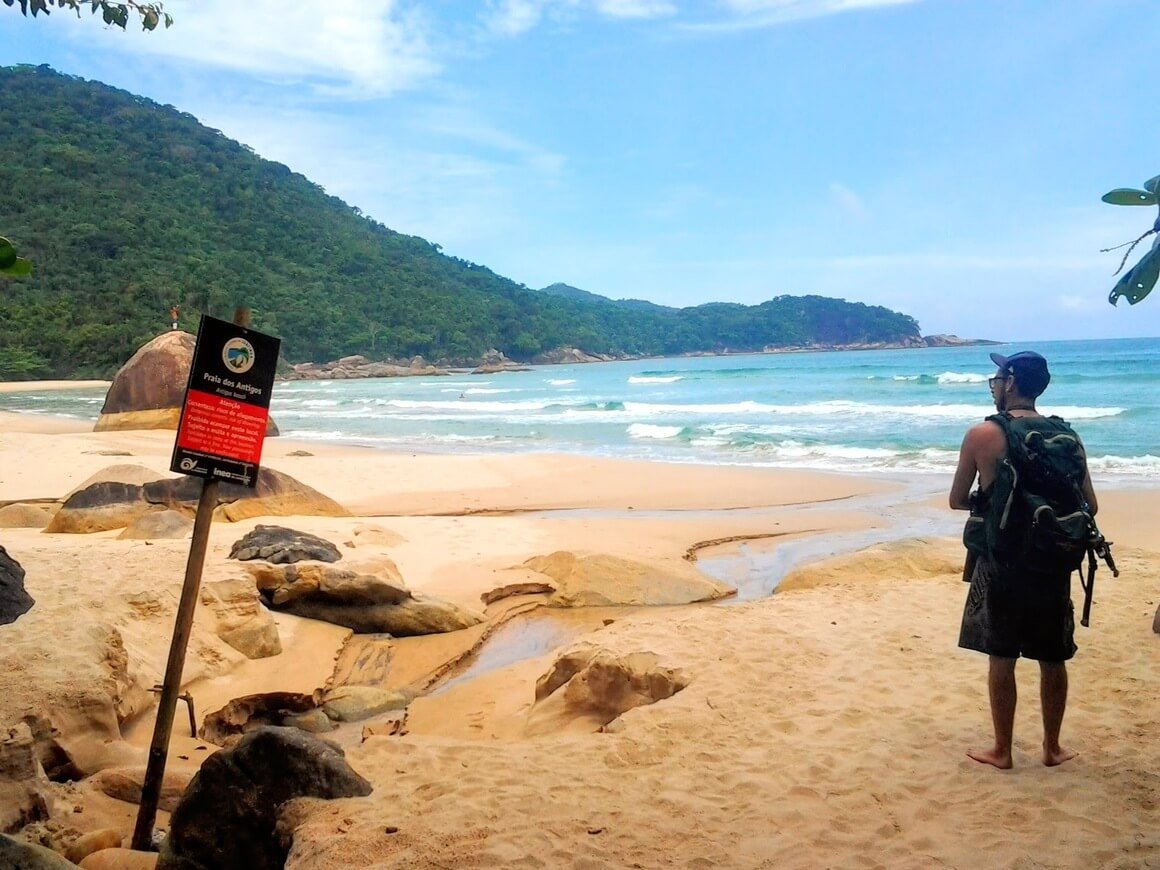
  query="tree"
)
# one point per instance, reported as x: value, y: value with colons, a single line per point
x: 151, y: 14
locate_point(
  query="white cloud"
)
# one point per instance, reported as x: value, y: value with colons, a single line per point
x: 848, y: 200
x: 750, y: 14
x: 514, y: 17
x: 374, y: 47
x: 635, y: 8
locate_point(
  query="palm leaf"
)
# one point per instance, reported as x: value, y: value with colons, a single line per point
x: 1140, y: 279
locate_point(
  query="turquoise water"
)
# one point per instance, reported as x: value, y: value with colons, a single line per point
x: 863, y: 411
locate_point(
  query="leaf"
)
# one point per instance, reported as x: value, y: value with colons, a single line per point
x: 1151, y: 184
x: 18, y: 269
x: 7, y: 253
x: 1140, y: 279
x: 1130, y: 196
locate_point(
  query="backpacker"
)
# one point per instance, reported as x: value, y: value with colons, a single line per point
x: 1036, y: 518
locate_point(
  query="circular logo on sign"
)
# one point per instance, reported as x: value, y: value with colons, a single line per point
x: 238, y: 355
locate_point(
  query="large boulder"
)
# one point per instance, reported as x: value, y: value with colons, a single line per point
x: 115, y: 505
x: 227, y: 726
x: 363, y: 602
x: 14, y: 601
x: 147, y: 392
x: 24, y: 516
x: 281, y: 545
x: 227, y: 818
x: 601, y: 580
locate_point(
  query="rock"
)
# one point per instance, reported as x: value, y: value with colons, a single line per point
x: 312, y: 721
x: 353, y: 703
x: 256, y: 639
x: 114, y: 504
x: 602, y: 580
x: 365, y: 603
x: 93, y: 841
x: 364, y: 660
x: 227, y: 818
x: 280, y: 545
x: 14, y: 601
x: 154, y: 378
x: 120, y: 859
x: 100, y: 507
x: 227, y: 726
x: 502, y: 592
x: 158, y: 526
x: 24, y: 516
x: 25, y: 792
x: 15, y: 855
x: 283, y: 585
x: 148, y: 391
x: 241, y: 620
x: 125, y: 784
x: 1156, y: 621
x: 598, y: 682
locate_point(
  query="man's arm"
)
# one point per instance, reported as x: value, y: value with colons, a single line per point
x: 982, y: 446
x: 965, y: 471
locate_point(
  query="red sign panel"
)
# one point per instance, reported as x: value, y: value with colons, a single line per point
x: 227, y: 401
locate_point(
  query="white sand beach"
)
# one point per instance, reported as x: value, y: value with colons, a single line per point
x: 823, y: 726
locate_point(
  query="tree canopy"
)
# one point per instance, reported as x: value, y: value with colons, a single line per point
x: 128, y: 208
x: 113, y: 12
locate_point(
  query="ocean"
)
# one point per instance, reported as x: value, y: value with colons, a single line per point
x: 852, y: 411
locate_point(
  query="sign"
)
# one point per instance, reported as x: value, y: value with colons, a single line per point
x: 227, y: 403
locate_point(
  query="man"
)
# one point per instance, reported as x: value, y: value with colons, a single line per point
x: 1007, y: 613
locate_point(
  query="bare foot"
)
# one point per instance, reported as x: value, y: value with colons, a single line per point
x: 993, y: 757
x: 1057, y: 756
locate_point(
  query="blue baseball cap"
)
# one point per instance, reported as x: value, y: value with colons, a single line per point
x: 1029, y: 369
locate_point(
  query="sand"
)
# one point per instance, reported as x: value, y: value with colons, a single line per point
x: 823, y: 726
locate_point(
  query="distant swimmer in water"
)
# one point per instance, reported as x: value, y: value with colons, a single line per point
x: 463, y: 395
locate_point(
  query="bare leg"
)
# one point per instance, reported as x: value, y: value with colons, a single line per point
x: 1001, y: 687
x: 1053, y: 696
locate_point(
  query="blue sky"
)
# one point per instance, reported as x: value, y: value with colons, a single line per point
x: 944, y: 158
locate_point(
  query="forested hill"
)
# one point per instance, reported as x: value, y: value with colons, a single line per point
x: 127, y: 207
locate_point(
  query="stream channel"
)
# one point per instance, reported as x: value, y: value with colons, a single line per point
x: 754, y: 568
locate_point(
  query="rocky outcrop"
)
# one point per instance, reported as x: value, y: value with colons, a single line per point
x: 354, y: 367
x: 602, y: 580
x: 283, y: 546
x: 25, y: 792
x: 147, y: 392
x: 241, y: 620
x: 24, y: 516
x: 114, y: 505
x: 227, y: 818
x: 14, y: 601
x: 570, y: 355
x: 363, y: 602
x: 128, y: 782
x: 599, y: 684
x: 158, y: 526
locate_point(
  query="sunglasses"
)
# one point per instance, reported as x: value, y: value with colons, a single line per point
x: 996, y: 379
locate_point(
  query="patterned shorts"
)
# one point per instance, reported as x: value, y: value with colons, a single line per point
x: 1012, y: 613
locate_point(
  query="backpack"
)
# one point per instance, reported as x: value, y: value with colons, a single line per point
x: 1035, y: 517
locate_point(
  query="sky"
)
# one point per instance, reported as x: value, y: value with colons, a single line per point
x: 942, y: 158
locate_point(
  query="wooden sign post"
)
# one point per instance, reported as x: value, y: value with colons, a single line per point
x: 220, y: 436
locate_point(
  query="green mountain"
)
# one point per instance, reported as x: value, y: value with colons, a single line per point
x: 127, y: 208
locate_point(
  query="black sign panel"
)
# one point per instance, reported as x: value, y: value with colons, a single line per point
x: 227, y: 403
